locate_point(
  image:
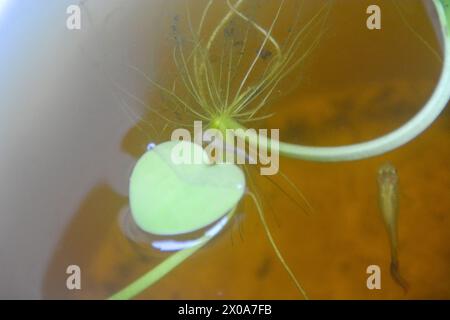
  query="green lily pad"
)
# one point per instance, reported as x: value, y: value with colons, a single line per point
x: 169, y: 198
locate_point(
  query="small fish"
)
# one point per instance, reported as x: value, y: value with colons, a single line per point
x: 388, y: 198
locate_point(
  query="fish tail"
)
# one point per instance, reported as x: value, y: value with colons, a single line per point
x: 397, y: 277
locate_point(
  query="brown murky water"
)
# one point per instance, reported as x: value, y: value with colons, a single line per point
x: 358, y: 84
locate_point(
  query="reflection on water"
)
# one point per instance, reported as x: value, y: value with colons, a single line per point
x: 357, y: 85
x: 167, y: 243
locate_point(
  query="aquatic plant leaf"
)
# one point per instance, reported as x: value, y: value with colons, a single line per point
x: 168, y: 197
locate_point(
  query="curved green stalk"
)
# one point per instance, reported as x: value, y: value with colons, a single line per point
x: 388, y: 142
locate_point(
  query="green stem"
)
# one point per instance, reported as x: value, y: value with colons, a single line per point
x: 443, y: 8
x: 383, y: 144
x: 157, y: 273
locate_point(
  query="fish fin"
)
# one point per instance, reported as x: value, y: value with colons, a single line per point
x: 397, y: 277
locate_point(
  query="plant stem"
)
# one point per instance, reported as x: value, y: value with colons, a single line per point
x: 156, y: 273
x: 421, y: 121
x: 443, y: 8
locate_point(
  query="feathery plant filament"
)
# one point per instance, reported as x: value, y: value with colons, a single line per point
x: 221, y: 90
